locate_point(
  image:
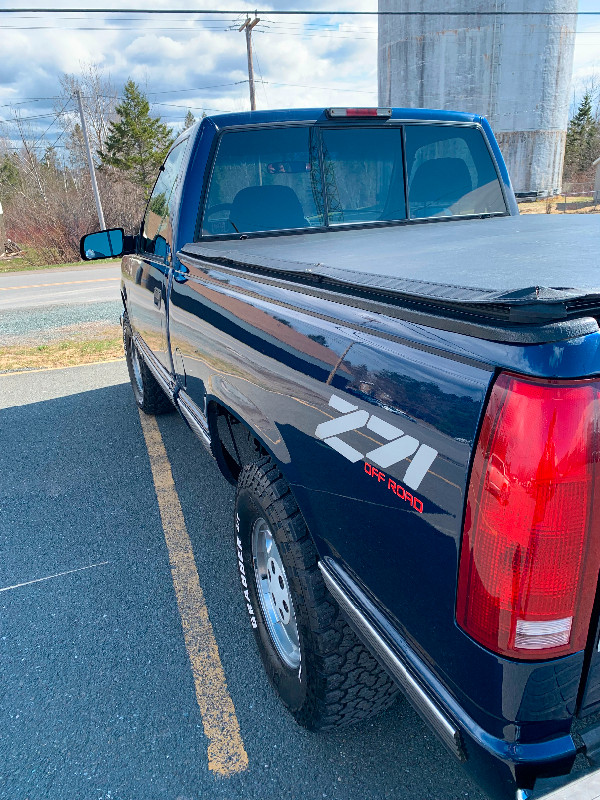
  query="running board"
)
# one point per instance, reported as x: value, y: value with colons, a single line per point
x: 193, y: 415
x: 195, y: 418
x: 163, y: 378
x: 421, y: 701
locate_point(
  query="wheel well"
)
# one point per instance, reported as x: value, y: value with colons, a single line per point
x: 233, y: 443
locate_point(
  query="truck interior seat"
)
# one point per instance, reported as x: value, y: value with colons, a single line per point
x: 440, y: 181
x: 264, y: 208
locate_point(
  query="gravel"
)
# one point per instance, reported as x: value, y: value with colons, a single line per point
x: 37, y: 325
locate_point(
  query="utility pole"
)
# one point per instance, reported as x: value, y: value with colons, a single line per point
x: 247, y: 26
x: 90, y: 163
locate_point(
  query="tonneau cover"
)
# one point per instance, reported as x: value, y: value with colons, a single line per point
x: 521, y: 269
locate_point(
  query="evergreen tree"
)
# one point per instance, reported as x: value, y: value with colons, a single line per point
x: 76, y: 148
x: 50, y: 159
x: 189, y: 120
x: 583, y: 139
x: 10, y: 179
x: 137, y: 143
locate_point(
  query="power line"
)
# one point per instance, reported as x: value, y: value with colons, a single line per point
x: 118, y: 97
x: 324, y: 35
x: 309, y: 12
x: 39, y: 139
x: 193, y: 108
x: 107, y: 28
x: 28, y: 100
x: 324, y: 88
x: 50, y: 145
x: 192, y: 31
x: 25, y: 119
x: 201, y: 88
x: 167, y: 91
x: 261, y: 80
x: 83, y: 15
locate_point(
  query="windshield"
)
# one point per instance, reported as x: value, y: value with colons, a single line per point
x: 275, y: 179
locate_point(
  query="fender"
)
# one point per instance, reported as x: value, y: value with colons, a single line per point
x: 398, y: 448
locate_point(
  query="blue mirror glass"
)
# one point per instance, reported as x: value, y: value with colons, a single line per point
x: 160, y: 247
x: 104, y: 244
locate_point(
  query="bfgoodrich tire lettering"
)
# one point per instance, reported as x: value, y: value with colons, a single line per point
x: 332, y: 679
x: 147, y: 391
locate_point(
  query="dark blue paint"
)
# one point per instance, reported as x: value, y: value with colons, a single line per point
x: 274, y: 357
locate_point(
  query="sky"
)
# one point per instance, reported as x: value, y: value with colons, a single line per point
x: 199, y: 62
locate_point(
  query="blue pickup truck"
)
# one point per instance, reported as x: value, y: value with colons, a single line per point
x: 402, y: 377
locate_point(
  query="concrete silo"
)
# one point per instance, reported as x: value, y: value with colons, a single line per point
x: 515, y: 70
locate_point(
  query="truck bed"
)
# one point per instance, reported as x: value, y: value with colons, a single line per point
x: 536, y: 274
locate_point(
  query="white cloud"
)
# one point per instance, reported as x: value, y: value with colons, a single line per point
x: 289, y: 50
x: 303, y: 60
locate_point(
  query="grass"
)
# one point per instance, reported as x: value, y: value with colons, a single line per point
x: 18, y: 264
x: 580, y: 204
x: 60, y: 354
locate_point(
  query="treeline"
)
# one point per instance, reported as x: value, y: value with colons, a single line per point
x: 583, y: 139
x: 46, y: 192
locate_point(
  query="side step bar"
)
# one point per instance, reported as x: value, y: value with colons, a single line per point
x: 156, y: 368
x: 422, y: 702
x: 194, y: 417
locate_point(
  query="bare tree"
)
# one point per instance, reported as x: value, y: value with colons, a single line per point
x: 46, y: 191
x: 50, y: 205
x: 99, y: 99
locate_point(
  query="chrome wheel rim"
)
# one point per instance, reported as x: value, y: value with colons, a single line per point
x: 274, y: 594
x: 137, y: 367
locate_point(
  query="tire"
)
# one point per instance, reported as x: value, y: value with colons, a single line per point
x: 323, y: 674
x: 147, y: 391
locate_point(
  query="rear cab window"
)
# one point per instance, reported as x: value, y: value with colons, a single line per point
x: 262, y: 180
x: 450, y: 173
x: 271, y: 179
x: 363, y: 174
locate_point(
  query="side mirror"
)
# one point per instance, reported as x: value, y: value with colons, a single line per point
x: 161, y: 248
x: 103, y: 244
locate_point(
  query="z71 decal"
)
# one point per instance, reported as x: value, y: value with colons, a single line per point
x: 398, y: 447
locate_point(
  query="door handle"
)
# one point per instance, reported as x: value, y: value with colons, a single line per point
x: 157, y: 297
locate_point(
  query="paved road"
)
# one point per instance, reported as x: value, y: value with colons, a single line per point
x: 51, y: 304
x: 75, y: 285
x: 98, y: 700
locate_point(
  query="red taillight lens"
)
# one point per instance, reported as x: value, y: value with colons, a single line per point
x: 334, y: 113
x: 530, y: 553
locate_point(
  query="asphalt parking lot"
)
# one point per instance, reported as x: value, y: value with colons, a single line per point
x: 102, y: 696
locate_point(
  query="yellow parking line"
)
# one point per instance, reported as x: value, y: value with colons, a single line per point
x: 62, y: 283
x: 53, y: 369
x: 226, y: 752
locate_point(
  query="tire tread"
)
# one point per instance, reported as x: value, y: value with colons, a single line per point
x: 350, y: 683
x: 153, y: 400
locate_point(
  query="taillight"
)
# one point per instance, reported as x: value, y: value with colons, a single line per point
x: 530, y: 552
x: 335, y: 113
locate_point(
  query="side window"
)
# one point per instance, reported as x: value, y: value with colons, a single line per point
x: 450, y: 173
x: 157, y: 230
